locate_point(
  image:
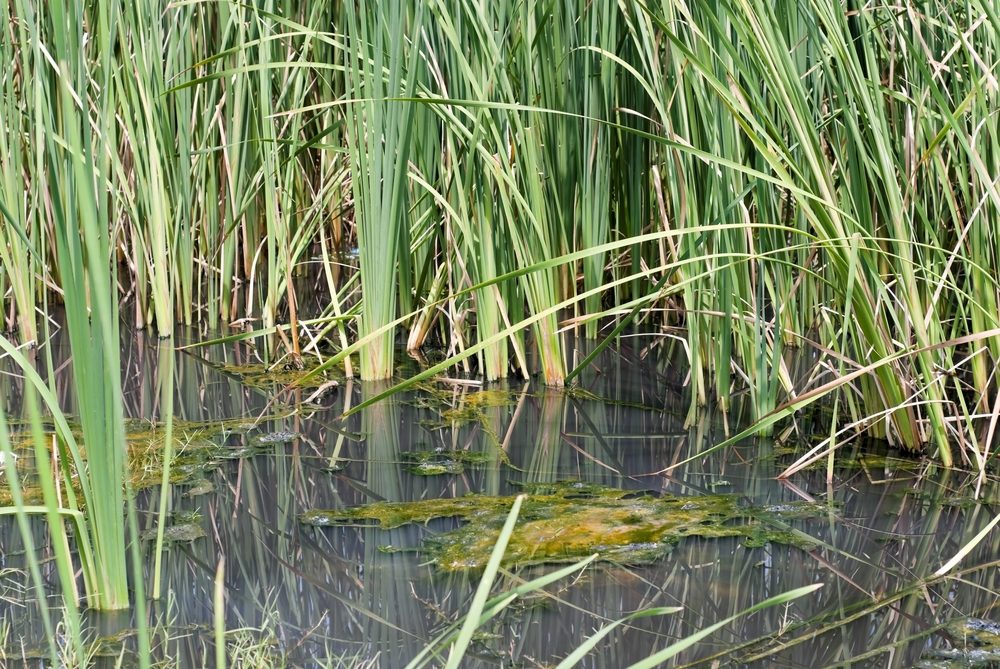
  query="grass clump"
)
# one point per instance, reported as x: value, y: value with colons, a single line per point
x: 748, y: 177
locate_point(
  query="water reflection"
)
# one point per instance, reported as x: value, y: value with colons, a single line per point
x: 340, y: 592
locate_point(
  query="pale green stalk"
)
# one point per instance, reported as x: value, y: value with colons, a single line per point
x: 18, y: 254
x: 165, y: 372
x: 594, y: 196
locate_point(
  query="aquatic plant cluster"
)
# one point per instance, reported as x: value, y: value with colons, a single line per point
x: 751, y: 177
x: 803, y: 195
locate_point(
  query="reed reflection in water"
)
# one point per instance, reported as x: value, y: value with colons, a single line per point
x: 338, y: 592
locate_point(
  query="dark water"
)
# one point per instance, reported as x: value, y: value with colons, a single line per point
x: 332, y: 597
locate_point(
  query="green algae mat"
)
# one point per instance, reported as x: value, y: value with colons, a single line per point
x: 199, y: 447
x: 569, y: 521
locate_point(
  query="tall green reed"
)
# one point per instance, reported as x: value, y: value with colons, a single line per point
x: 379, y: 138
x: 149, y: 131
x: 69, y: 97
x: 81, y: 229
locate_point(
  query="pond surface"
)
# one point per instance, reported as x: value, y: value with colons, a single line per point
x: 336, y: 596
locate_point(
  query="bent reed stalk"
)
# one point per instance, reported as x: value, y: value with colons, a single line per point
x: 457, y: 143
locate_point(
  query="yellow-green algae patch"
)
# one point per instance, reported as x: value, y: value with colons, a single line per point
x: 472, y: 406
x: 453, y: 408
x: 567, y: 522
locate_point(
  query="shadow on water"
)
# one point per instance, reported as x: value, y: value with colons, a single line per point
x: 359, y: 592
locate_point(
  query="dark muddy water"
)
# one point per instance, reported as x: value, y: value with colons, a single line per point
x: 334, y: 596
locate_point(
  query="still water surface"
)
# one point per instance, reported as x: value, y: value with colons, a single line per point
x: 327, y: 593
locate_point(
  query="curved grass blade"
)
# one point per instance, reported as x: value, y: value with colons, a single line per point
x: 673, y: 649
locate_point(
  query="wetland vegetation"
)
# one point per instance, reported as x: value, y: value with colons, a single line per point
x: 462, y: 333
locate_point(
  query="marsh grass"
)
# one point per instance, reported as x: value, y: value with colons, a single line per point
x: 754, y: 179
x: 380, y: 141
x: 464, y: 146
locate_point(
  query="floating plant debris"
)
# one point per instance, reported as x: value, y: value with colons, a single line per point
x: 199, y: 447
x: 471, y: 406
x: 183, y: 527
x: 976, y: 644
x: 892, y: 462
x: 975, y: 632
x: 183, y: 532
x: 261, y: 376
x: 278, y: 437
x: 441, y: 461
x: 566, y: 522
x: 454, y: 408
x: 200, y: 487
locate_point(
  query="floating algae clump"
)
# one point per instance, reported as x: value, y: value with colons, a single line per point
x: 440, y: 461
x: 976, y: 632
x: 976, y: 644
x: 459, y: 408
x: 393, y: 514
x: 473, y: 406
x: 184, y: 527
x: 567, y: 522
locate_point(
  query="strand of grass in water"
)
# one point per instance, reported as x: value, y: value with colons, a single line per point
x: 860, y: 613
x: 673, y: 649
x: 495, y: 606
x: 219, y: 614
x: 21, y: 514
x: 472, y: 619
x: 165, y: 369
